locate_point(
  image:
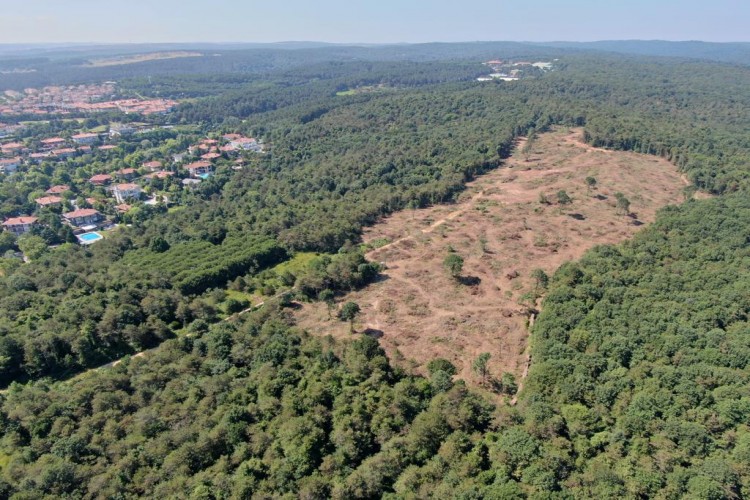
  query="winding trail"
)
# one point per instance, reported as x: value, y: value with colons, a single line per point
x: 429, y: 229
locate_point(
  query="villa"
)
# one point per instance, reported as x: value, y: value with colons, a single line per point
x: 20, y: 225
x: 83, y: 217
x: 49, y: 201
x: 85, y: 138
x: 101, y: 179
x: 199, y: 168
x: 124, y: 192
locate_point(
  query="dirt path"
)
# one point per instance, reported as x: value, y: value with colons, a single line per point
x: 372, y: 254
x: 503, y: 232
x: 526, y: 365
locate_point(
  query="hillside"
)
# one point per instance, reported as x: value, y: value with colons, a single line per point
x: 506, y: 225
x: 637, y: 385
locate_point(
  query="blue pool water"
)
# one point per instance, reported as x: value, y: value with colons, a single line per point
x: 204, y: 176
x: 87, y: 238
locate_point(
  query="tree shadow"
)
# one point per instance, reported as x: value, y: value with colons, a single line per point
x: 469, y: 280
x: 577, y: 216
x: 600, y: 197
x: 380, y: 278
x: 373, y: 332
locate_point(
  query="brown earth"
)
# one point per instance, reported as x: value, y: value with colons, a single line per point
x: 139, y: 58
x: 503, y: 232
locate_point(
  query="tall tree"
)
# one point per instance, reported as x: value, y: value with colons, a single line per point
x: 349, y: 312
x: 480, y: 366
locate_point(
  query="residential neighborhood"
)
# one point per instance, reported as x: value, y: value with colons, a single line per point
x: 106, y: 174
x: 75, y: 99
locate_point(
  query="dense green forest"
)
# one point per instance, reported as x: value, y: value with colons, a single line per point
x: 639, y: 388
x: 339, y: 162
x: 67, y: 66
x: 639, y: 381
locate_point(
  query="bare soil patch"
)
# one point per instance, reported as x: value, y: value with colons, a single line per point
x: 139, y: 58
x: 503, y: 232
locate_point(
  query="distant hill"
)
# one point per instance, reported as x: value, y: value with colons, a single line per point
x: 24, y: 65
x: 37, y: 66
x: 737, y: 52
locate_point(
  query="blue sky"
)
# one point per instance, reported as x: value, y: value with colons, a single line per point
x: 381, y: 21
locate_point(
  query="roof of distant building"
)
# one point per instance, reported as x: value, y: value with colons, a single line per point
x: 81, y: 212
x: 15, y: 221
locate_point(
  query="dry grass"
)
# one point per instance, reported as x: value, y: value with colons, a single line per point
x: 501, y: 230
x: 139, y: 58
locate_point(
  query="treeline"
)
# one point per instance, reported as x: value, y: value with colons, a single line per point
x: 192, y: 268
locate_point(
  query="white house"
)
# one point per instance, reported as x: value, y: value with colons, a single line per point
x: 245, y: 143
x: 120, y: 130
x: 124, y: 192
x: 85, y: 138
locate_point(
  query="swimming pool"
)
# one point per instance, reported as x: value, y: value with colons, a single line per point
x: 204, y: 176
x: 89, y: 238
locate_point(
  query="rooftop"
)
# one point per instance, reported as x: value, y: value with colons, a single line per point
x: 15, y: 221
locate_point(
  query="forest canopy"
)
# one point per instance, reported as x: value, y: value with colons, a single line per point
x: 639, y: 382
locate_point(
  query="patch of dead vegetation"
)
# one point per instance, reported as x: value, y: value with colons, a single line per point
x: 503, y: 232
x: 139, y: 58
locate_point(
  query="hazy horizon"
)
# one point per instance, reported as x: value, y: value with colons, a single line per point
x: 384, y: 22
x: 351, y: 43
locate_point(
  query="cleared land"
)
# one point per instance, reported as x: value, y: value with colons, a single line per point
x: 139, y: 58
x: 503, y: 231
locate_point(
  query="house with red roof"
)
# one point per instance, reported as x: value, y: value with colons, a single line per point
x: 100, y: 179
x: 126, y: 173
x: 83, y: 217
x: 9, y: 165
x: 20, y: 225
x: 245, y: 144
x: 124, y: 192
x: 53, y: 142
x: 64, y: 152
x: 153, y: 166
x: 11, y: 148
x: 85, y: 138
x: 199, y: 168
x: 38, y: 157
x: 59, y: 189
x: 48, y: 201
x: 162, y: 174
